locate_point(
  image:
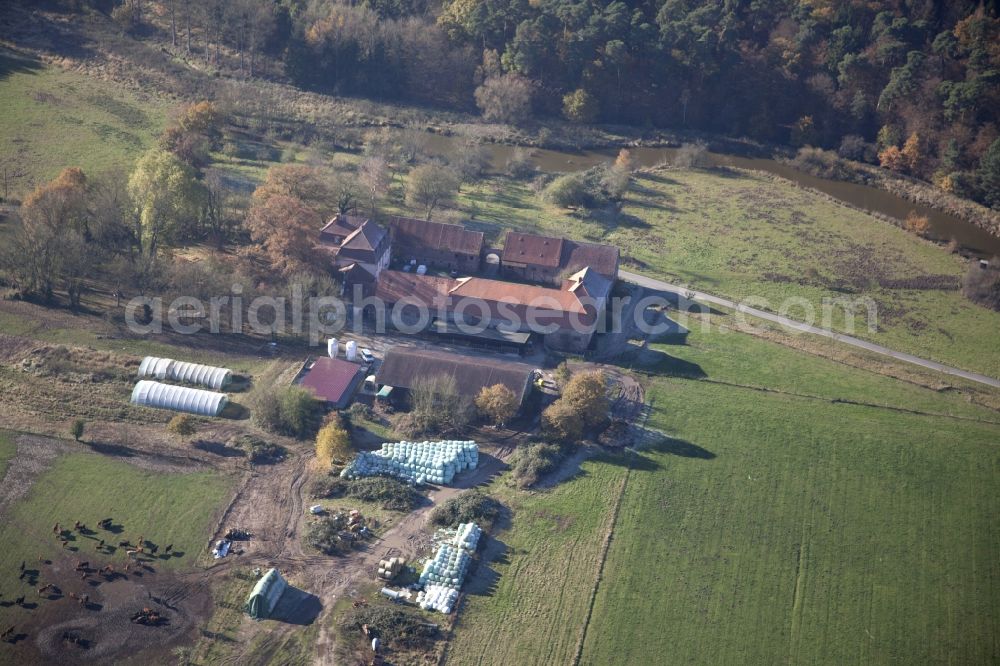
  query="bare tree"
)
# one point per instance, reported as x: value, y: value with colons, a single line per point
x: 374, y: 176
x: 431, y: 185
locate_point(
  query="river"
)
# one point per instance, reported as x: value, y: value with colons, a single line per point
x: 944, y: 226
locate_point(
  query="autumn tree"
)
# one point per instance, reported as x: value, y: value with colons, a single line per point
x: 167, y: 197
x: 892, y: 158
x: 430, y: 186
x: 194, y: 132
x: 310, y: 185
x: 561, y: 422
x: 580, y: 106
x: 505, y: 98
x: 333, y: 442
x: 285, y: 228
x: 911, y: 154
x: 61, y: 203
x: 47, y: 250
x: 497, y: 403
x: 584, y: 405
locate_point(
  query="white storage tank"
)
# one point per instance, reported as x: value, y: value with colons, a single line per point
x: 421, y: 269
x: 351, y: 349
x: 332, y: 347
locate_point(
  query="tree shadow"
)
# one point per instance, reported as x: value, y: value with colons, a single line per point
x: 117, y: 450
x: 218, y: 449
x: 655, y: 361
x: 682, y: 448
x: 11, y: 63
x: 632, y: 459
x: 235, y: 411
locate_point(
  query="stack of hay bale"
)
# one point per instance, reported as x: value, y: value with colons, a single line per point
x: 418, y: 462
x: 438, y: 597
x: 444, y: 573
x: 467, y: 537
x: 390, y: 568
x: 447, y: 567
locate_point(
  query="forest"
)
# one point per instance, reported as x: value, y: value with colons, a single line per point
x: 912, y: 85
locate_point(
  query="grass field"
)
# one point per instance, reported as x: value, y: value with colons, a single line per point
x: 165, y: 508
x: 771, y: 528
x: 51, y: 119
x: 534, y: 612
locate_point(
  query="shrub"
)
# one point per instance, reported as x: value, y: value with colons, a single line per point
x: 360, y: 412
x: 473, y: 506
x: 819, y: 162
x: 324, y: 536
x: 854, y: 147
x: 257, y: 450
x: 982, y: 285
x: 76, y: 429
x: 519, y: 164
x: 917, y: 224
x: 568, y: 191
x: 328, y: 486
x: 182, y: 425
x: 391, y: 494
x: 692, y: 156
x: 394, y: 625
x: 290, y: 411
x: 535, y: 461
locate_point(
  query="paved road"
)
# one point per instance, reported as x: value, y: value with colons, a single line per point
x: 651, y: 283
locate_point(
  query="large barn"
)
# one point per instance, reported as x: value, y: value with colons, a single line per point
x: 404, y: 367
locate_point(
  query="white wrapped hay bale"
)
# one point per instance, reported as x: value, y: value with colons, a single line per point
x: 448, y: 567
x: 438, y: 597
x: 467, y: 537
x: 418, y: 462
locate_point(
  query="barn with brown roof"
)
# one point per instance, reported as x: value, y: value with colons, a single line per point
x: 492, y: 313
x: 404, y: 367
x: 436, y: 244
x: 333, y: 380
x: 551, y: 260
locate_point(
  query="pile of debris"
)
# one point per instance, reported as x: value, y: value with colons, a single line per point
x: 416, y: 462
